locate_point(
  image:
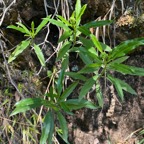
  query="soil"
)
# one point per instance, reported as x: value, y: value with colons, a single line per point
x: 118, y: 122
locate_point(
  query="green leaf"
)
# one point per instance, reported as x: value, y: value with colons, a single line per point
x: 90, y: 68
x: 66, y: 109
x: 48, y: 129
x: 126, y: 69
x: 125, y: 86
x: 60, y: 81
x: 76, y: 76
x: 86, y: 42
x: 24, y: 27
x: 94, y: 55
x: 105, y: 47
x: 27, y: 104
x: 119, y: 60
x: 77, y: 8
x: 65, y: 35
x: 89, y: 50
x: 32, y: 28
x: 20, y: 29
x: 82, y: 10
x: 84, y: 30
x: 68, y: 91
x: 125, y: 48
x: 99, y: 95
x: 52, y: 94
x: 42, y: 24
x: 64, y: 20
x: 63, y: 127
x: 85, y: 58
x: 97, y: 23
x: 96, y: 43
x: 141, y: 141
x: 39, y: 54
x: 140, y: 134
x: 87, y: 86
x: 75, y: 104
x: 65, y: 61
x: 19, y: 49
x: 117, y: 85
x: 64, y: 49
x: 59, y: 24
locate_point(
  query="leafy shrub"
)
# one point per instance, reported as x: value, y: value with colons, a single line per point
x: 99, y: 60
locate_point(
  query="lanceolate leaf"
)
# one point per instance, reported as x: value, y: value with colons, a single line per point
x: 82, y: 10
x: 77, y: 8
x: 125, y: 47
x: 20, y: 29
x: 75, y: 104
x: 119, y: 60
x: 65, y: 35
x: 117, y: 85
x: 25, y: 28
x: 64, y: 49
x: 63, y: 20
x: 68, y: 91
x: 90, y: 68
x: 91, y: 52
x: 60, y: 81
x: 126, y: 69
x: 32, y: 28
x: 85, y: 58
x: 97, y: 23
x: 66, y: 109
x: 39, y: 54
x: 63, y: 126
x: 48, y: 129
x: 28, y: 104
x: 96, y: 43
x: 59, y: 24
x: 87, y: 86
x: 42, y: 24
x: 99, y: 95
x: 123, y: 85
x: 105, y: 47
x: 126, y: 87
x: 84, y: 30
x: 75, y: 75
x: 19, y: 49
x: 86, y: 42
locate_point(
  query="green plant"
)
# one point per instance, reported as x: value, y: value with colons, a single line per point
x: 99, y: 60
x: 56, y: 99
x: 31, y: 34
x: 56, y: 104
x: 140, y: 134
